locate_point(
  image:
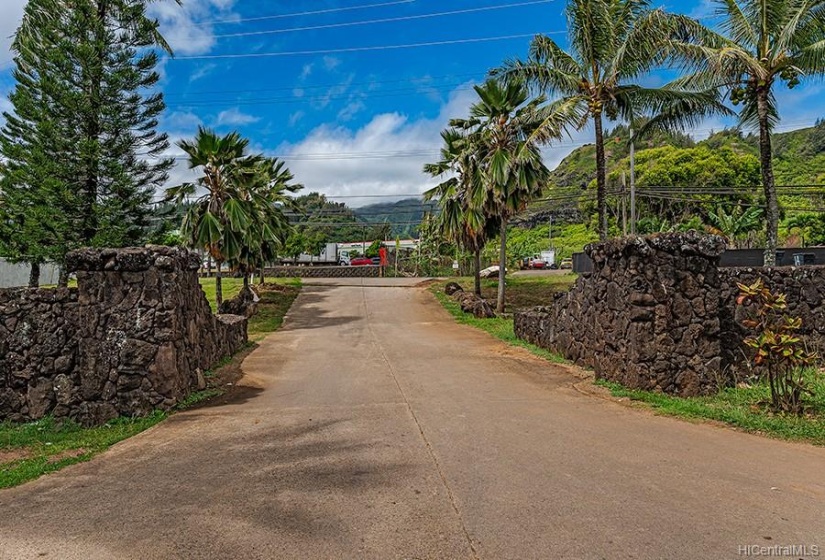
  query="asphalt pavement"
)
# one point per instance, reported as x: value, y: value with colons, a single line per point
x: 374, y: 426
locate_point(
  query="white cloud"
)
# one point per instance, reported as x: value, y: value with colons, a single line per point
x: 322, y: 101
x: 306, y: 71
x: 11, y: 14
x: 338, y: 161
x: 295, y: 117
x: 182, y: 121
x: 234, y: 117
x: 180, y: 24
x: 350, y: 110
x: 202, y: 72
x: 331, y: 63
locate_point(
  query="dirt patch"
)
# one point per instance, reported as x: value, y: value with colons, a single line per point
x: 68, y: 454
x: 225, y: 379
x: 14, y: 455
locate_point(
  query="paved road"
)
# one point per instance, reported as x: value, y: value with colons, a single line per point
x: 373, y: 426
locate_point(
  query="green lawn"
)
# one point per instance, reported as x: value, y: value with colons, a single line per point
x: 522, y: 292
x: 28, y: 451
x: 501, y: 328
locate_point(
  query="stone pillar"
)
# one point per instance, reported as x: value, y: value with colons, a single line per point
x: 656, y: 303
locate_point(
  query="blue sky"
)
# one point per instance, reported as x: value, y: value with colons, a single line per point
x: 359, y: 121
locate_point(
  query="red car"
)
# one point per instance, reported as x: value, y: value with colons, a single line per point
x: 360, y: 261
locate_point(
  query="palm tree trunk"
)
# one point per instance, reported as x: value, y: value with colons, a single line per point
x: 601, y: 177
x: 766, y: 161
x: 218, y: 285
x: 261, y: 279
x: 245, y: 281
x: 502, y: 263
x: 34, y: 275
x: 478, y: 272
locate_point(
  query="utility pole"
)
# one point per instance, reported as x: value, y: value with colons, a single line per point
x: 624, y: 204
x: 632, y: 183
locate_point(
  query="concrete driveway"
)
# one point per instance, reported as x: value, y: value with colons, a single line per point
x: 373, y: 426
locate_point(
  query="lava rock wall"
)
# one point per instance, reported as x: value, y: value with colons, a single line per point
x: 646, y: 317
x: 135, y: 335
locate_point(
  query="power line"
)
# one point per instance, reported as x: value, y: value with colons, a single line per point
x: 370, y: 83
x: 310, y: 13
x: 290, y: 100
x: 360, y: 49
x: 382, y: 20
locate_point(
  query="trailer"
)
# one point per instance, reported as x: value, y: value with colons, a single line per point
x: 549, y: 257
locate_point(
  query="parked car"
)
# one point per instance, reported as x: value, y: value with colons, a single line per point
x: 566, y: 264
x: 360, y: 261
x: 536, y: 262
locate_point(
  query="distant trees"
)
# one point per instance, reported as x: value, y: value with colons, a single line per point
x: 238, y: 219
x: 81, y: 154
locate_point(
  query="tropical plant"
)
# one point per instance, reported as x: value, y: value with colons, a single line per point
x: 759, y: 43
x: 218, y: 220
x: 266, y: 194
x: 776, y: 346
x: 504, y: 133
x: 80, y: 145
x: 734, y: 224
x: 459, y: 220
x: 612, y: 43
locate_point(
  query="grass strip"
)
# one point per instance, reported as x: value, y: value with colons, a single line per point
x: 743, y: 407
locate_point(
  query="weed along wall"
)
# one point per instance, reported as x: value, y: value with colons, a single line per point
x: 136, y: 334
x: 646, y: 317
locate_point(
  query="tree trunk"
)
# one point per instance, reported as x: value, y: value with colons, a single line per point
x: 218, y: 285
x: 34, y: 275
x: 502, y: 263
x: 93, y: 130
x: 245, y: 281
x: 601, y: 177
x: 478, y: 272
x: 766, y: 161
x: 261, y: 280
x: 63, y: 277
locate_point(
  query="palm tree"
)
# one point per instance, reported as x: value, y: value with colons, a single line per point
x: 760, y: 43
x: 267, y: 194
x: 504, y: 133
x: 612, y: 43
x: 218, y: 219
x: 459, y: 220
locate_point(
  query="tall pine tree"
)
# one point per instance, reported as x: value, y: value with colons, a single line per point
x: 81, y: 151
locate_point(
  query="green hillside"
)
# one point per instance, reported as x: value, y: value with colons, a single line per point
x: 404, y: 216
x: 680, y: 180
